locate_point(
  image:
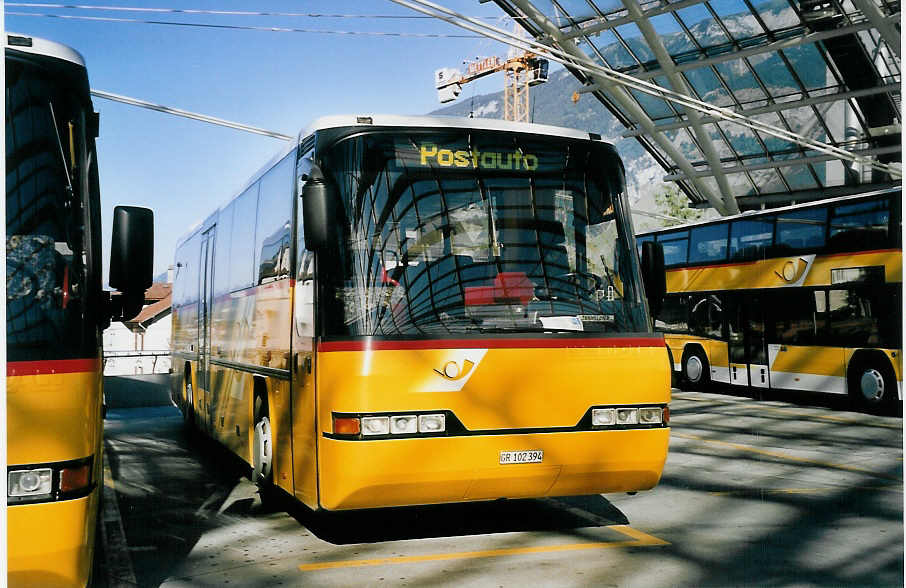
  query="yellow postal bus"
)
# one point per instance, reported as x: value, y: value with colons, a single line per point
x: 805, y: 297
x: 411, y: 310
x: 55, y: 310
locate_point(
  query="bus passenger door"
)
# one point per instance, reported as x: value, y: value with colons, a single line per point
x: 756, y: 344
x: 748, y: 354
x: 304, y: 364
x: 206, y: 290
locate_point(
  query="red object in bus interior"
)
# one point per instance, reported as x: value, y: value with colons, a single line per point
x: 509, y: 287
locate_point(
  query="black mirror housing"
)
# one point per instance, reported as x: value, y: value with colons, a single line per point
x: 318, y: 202
x: 132, y: 250
x: 654, y: 275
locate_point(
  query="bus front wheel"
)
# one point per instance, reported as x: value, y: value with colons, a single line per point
x: 872, y: 385
x: 696, y: 369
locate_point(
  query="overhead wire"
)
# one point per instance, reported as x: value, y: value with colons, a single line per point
x: 242, y: 27
x: 229, y: 12
x: 565, y: 58
x: 187, y: 114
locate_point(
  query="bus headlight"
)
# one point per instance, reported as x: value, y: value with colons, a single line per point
x: 401, y: 425
x: 375, y: 425
x: 431, y: 423
x: 350, y: 426
x: 627, y: 416
x: 601, y: 417
x: 30, y: 482
x: 651, y: 416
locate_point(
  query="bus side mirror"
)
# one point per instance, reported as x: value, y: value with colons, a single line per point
x: 654, y: 275
x: 132, y: 256
x: 318, y: 218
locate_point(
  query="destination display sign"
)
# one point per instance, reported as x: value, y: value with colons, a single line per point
x: 432, y: 154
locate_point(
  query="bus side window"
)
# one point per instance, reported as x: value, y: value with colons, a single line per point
x: 799, y: 316
x: 706, y: 316
x: 861, y: 226
x: 243, y: 233
x: 676, y: 247
x: 708, y: 244
x: 272, y: 237
x: 800, y: 230
x: 853, y: 320
x: 222, y: 255
x: 674, y: 315
x: 750, y: 238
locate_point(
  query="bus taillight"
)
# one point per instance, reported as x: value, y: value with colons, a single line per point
x: 75, y: 478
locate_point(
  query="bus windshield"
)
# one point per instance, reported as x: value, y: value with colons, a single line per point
x: 46, y: 203
x: 459, y: 232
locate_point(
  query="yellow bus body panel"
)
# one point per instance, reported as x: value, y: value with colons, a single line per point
x: 512, y: 388
x: 49, y: 544
x: 820, y: 361
x: 367, y: 474
x: 52, y: 418
x: 770, y: 273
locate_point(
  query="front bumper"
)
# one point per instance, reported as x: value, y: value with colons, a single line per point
x: 398, y: 472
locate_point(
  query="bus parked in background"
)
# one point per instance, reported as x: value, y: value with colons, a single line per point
x: 805, y: 297
x: 411, y: 310
x: 55, y: 311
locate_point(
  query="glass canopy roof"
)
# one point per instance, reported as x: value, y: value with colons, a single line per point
x: 825, y: 70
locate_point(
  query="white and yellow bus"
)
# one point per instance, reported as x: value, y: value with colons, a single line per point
x: 413, y: 310
x: 805, y: 297
x: 55, y: 310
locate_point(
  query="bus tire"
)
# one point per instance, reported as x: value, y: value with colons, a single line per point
x: 696, y: 369
x: 871, y: 383
x: 262, y: 446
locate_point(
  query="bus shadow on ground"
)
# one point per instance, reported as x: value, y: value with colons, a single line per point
x: 461, y: 519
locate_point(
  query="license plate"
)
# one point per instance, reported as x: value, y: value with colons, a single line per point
x: 533, y: 456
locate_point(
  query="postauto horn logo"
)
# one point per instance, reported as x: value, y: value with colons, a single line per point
x: 473, y: 158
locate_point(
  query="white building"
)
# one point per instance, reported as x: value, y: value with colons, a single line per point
x: 141, y: 345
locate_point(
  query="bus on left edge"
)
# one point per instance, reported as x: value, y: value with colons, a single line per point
x: 56, y: 310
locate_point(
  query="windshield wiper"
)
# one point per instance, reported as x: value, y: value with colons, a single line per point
x: 525, y: 329
x: 56, y: 132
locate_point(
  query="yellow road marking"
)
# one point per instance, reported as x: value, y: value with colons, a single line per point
x: 639, y: 539
x: 786, y: 456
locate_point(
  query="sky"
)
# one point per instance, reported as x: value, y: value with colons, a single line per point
x: 281, y: 81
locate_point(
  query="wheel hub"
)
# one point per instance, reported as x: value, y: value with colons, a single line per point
x: 872, y: 385
x: 693, y: 369
x: 263, y: 449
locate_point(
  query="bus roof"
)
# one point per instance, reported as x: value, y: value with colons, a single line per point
x: 38, y: 46
x: 757, y: 213
x: 452, y: 122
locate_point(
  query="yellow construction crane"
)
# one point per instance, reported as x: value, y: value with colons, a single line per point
x: 522, y: 72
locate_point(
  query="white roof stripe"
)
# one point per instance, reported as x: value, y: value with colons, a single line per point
x: 41, y: 46
x: 392, y: 120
